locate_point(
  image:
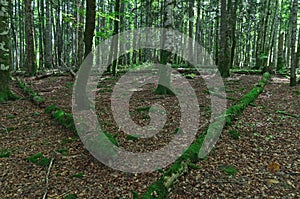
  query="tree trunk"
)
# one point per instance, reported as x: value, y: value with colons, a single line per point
x: 4, y: 51
x: 116, y: 38
x: 48, y: 36
x: 90, y: 23
x: 224, y: 60
x: 30, y: 53
x: 80, y: 52
x: 293, y: 18
x: 164, y: 81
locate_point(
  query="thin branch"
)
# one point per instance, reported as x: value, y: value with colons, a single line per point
x: 47, y: 178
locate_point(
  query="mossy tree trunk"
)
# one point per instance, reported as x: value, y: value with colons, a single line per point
x: 4, y: 51
x: 164, y: 82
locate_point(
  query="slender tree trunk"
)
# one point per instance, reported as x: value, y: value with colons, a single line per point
x: 80, y: 52
x: 294, y: 12
x: 48, y: 36
x: 116, y: 40
x: 164, y: 81
x: 30, y: 55
x: 89, y: 25
x: 224, y: 60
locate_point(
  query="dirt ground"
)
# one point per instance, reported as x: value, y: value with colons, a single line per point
x: 265, y: 157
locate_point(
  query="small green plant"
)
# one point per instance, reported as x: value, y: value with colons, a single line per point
x: 9, y: 129
x: 63, y: 151
x: 229, y: 170
x: 132, y: 137
x: 38, y: 159
x: 78, y: 175
x: 234, y: 134
x: 71, y: 196
x: 10, y: 116
x: 190, y: 76
x: 296, y: 92
x: 5, y: 153
x: 143, y: 108
x: 68, y: 140
x: 178, y: 131
x: 112, y: 138
x: 69, y: 84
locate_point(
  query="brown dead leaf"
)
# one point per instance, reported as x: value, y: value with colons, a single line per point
x: 273, y: 167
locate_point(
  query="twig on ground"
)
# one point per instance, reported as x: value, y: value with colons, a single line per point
x: 47, y: 178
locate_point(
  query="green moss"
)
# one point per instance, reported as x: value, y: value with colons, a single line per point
x: 191, y: 155
x: 38, y: 159
x: 10, y: 116
x: 77, y: 175
x: 229, y: 170
x: 111, y: 138
x: 63, y: 151
x: 50, y: 109
x: 156, y: 190
x: 5, y: 153
x: 143, y: 108
x: 132, y: 137
x: 71, y: 196
x: 234, y: 134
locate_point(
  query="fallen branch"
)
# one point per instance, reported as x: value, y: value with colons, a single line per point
x: 47, y: 178
x: 35, y: 98
x: 288, y: 114
x: 69, y: 69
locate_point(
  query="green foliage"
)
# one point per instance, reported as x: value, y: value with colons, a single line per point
x: 61, y: 117
x: 229, y: 170
x: 143, y: 108
x: 68, y: 140
x: 33, y: 95
x: 296, y: 92
x: 38, y: 159
x: 63, y: 151
x: 10, y: 116
x: 111, y: 138
x: 69, y: 84
x: 71, y: 196
x: 78, y: 175
x: 132, y: 137
x: 234, y: 134
x: 190, y: 76
x: 5, y: 153
x: 135, y: 194
x: 178, y: 131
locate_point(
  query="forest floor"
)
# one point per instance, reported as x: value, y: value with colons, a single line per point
x: 263, y: 161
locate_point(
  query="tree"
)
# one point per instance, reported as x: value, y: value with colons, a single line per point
x: 30, y: 53
x: 5, y: 93
x: 90, y: 24
x: 294, y: 63
x: 163, y: 87
x: 48, y: 36
x: 114, y: 42
x: 224, y: 58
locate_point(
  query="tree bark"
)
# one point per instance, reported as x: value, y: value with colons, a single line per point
x: 30, y: 53
x: 294, y: 11
x: 4, y: 51
x: 48, y: 36
x: 90, y: 23
x: 224, y: 59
